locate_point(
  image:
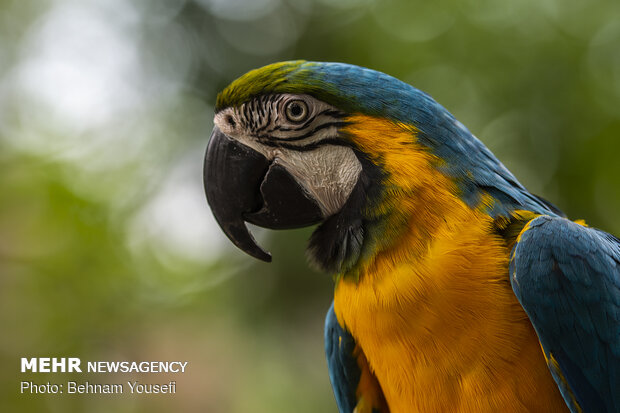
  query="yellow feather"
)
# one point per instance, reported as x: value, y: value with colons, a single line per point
x: 433, y: 310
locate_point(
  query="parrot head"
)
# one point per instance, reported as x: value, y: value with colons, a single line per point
x: 275, y: 161
x: 301, y: 143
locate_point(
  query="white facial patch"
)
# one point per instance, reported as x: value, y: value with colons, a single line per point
x: 327, y: 172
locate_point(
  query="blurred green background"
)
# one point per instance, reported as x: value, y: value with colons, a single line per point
x: 107, y: 248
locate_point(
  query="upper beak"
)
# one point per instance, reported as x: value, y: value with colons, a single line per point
x: 243, y: 185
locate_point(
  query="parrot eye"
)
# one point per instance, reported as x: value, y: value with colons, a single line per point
x: 296, y: 111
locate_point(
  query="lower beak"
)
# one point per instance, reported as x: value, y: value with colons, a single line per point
x: 243, y: 185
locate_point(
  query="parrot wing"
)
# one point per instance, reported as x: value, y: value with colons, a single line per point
x: 567, y: 278
x: 355, y: 387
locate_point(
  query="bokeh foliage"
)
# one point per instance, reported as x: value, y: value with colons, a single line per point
x: 107, y: 248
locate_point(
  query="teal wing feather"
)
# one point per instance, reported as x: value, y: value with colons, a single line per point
x: 344, y: 371
x: 567, y: 278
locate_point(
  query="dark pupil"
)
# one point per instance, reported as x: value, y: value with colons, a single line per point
x: 296, y: 109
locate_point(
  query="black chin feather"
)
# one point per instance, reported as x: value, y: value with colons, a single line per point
x: 337, y: 244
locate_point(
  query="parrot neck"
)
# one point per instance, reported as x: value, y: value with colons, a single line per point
x: 404, y: 223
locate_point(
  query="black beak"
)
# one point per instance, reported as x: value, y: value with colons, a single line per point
x: 242, y: 185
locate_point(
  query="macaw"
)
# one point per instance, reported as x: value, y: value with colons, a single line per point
x: 456, y: 289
